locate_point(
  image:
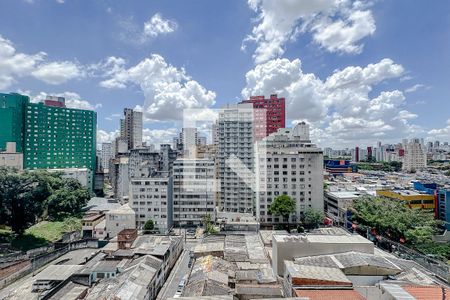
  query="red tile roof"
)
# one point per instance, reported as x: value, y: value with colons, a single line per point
x: 427, y: 292
x: 330, y: 294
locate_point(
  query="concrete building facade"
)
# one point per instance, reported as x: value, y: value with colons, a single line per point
x: 236, y: 155
x: 193, y: 191
x: 288, y: 163
x: 151, y: 199
x: 131, y: 127
x: 415, y: 156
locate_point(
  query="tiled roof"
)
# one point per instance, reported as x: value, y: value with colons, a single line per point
x: 330, y: 294
x: 427, y: 292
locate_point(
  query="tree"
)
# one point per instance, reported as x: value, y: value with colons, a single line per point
x: 67, y: 201
x: 30, y: 196
x: 22, y: 197
x: 312, y: 218
x: 284, y: 206
x: 149, y: 225
x: 209, y: 226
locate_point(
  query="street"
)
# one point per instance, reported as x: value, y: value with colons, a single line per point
x: 179, y: 271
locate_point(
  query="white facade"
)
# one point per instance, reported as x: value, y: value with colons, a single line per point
x: 236, y: 158
x: 415, y: 156
x: 118, y: 219
x: 193, y: 191
x: 288, y: 164
x: 82, y: 175
x: 106, y: 155
x: 151, y: 199
x: 10, y: 158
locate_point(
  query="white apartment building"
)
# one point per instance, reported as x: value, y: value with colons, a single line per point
x: 236, y: 158
x: 415, y: 156
x: 118, y: 219
x: 151, y: 199
x: 288, y: 163
x: 193, y: 191
x: 106, y: 154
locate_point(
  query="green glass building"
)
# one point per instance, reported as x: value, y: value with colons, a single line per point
x: 12, y: 120
x: 50, y: 137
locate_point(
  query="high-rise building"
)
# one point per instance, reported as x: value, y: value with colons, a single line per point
x: 131, y: 127
x: 415, y: 157
x: 288, y: 163
x: 50, y: 135
x: 12, y: 118
x: 269, y: 115
x: 57, y: 137
x: 193, y: 191
x: 151, y: 199
x: 106, y: 154
x: 235, y: 154
x: 356, y: 156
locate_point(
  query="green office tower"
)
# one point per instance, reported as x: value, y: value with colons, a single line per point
x: 12, y: 117
x: 50, y: 135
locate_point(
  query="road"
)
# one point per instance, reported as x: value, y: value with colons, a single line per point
x: 179, y: 271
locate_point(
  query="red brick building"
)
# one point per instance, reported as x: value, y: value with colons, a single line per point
x: 269, y: 115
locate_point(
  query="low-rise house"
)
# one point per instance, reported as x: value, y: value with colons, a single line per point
x: 118, y: 219
x: 89, y: 222
x: 125, y: 238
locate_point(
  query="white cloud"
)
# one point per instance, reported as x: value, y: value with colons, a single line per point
x: 335, y: 25
x: 139, y: 34
x: 343, y: 35
x: 105, y: 136
x: 58, y: 72
x: 159, y: 136
x: 157, y: 25
x: 340, y: 108
x: 414, y: 88
x: 167, y: 89
x: 440, y: 133
x: 73, y: 100
x: 15, y: 65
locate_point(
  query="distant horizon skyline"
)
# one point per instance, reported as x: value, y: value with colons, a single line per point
x: 356, y: 71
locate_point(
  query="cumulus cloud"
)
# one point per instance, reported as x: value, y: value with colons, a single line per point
x: 58, y: 72
x: 73, y: 100
x: 440, y: 133
x: 340, y: 108
x: 167, y: 89
x: 105, y: 136
x: 159, y: 136
x: 157, y: 25
x: 335, y: 25
x: 137, y: 34
x: 14, y: 65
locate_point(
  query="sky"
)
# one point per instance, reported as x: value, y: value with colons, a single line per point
x: 357, y: 71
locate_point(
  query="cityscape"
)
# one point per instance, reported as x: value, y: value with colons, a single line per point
x: 142, y: 156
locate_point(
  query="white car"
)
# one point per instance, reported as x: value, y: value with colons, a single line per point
x: 179, y: 289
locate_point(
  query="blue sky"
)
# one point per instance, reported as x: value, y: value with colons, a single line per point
x: 357, y: 71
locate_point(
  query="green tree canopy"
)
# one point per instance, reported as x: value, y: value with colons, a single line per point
x: 149, y: 225
x: 283, y: 205
x: 29, y: 196
x: 312, y: 218
x: 393, y: 218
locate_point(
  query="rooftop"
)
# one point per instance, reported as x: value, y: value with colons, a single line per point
x: 329, y: 276
x: 329, y: 294
x: 57, y: 272
x: 325, y: 238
